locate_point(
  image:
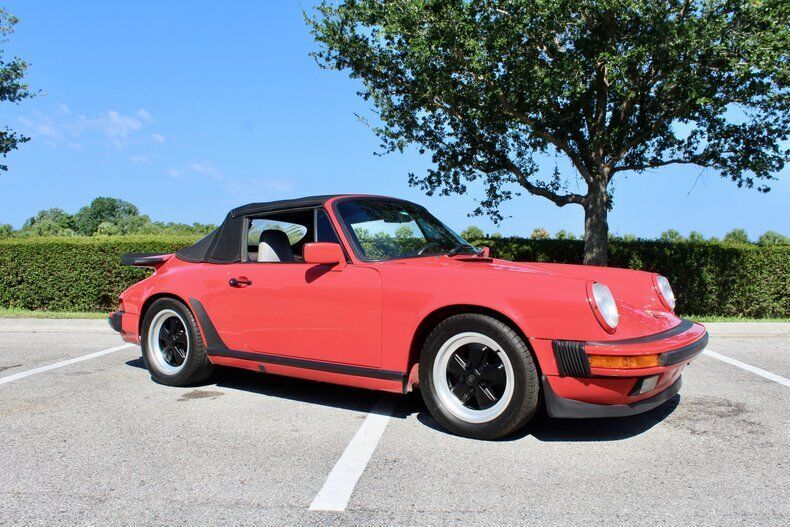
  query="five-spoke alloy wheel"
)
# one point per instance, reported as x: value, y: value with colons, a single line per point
x: 173, y: 349
x: 478, y: 377
x: 168, y: 341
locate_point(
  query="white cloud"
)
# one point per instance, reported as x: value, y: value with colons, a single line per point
x: 206, y: 168
x: 116, y: 128
x: 243, y: 188
x: 283, y: 185
x: 40, y: 125
x: 144, y: 115
x: 159, y: 138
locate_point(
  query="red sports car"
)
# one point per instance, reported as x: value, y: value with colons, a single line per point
x: 377, y: 293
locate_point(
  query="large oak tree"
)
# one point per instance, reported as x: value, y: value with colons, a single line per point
x: 490, y: 87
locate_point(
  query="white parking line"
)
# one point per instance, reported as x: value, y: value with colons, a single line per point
x: 340, y: 483
x: 748, y: 367
x: 42, y: 369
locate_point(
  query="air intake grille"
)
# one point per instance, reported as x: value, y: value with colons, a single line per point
x: 571, y: 358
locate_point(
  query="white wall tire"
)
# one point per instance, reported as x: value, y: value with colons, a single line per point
x: 478, y: 377
x: 172, y: 346
x: 462, y: 379
x: 169, y: 342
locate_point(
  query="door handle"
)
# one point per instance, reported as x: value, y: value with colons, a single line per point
x: 239, y: 282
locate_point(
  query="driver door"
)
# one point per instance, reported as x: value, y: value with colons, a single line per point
x: 293, y: 309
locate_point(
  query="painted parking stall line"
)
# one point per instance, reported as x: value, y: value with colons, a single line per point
x: 748, y: 367
x: 342, y: 480
x: 61, y: 364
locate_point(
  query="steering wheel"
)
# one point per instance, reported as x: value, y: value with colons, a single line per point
x: 429, y: 244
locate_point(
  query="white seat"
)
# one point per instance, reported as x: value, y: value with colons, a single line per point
x: 274, y: 246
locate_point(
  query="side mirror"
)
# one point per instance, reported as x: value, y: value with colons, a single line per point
x: 325, y: 253
x: 485, y: 252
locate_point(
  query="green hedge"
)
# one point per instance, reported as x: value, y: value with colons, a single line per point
x: 74, y: 274
x: 708, y: 278
x: 84, y: 274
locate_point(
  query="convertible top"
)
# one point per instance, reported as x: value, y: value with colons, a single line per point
x: 223, y: 244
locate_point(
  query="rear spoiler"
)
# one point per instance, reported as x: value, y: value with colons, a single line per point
x: 144, y: 259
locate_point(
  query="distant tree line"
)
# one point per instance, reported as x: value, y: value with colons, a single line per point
x: 735, y: 236
x: 103, y: 217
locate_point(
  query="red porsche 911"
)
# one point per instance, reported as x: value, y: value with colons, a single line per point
x: 377, y: 293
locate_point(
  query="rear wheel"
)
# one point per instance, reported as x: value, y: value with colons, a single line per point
x: 478, y: 377
x: 173, y: 349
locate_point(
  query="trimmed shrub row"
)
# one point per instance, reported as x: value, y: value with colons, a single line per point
x: 84, y: 274
x: 74, y: 274
x: 708, y: 278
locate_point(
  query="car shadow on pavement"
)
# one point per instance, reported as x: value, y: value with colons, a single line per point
x: 544, y: 428
x: 541, y: 427
x: 290, y: 388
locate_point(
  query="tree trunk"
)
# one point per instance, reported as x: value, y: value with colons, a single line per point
x: 596, y: 227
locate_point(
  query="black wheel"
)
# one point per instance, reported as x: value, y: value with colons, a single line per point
x: 173, y: 349
x: 478, y: 377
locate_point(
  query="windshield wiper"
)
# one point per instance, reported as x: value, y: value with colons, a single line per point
x: 460, y: 247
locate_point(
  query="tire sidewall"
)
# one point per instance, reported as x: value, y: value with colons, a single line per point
x: 195, y: 358
x: 525, y: 390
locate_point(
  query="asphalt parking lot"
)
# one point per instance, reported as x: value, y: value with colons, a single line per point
x: 97, y: 442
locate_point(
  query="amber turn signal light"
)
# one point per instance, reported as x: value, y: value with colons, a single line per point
x: 623, y: 362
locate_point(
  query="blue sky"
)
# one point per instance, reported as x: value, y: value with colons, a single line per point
x: 187, y: 112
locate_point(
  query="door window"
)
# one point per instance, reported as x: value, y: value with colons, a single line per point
x: 280, y: 237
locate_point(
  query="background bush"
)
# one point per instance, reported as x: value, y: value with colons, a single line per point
x: 708, y: 278
x: 74, y: 274
x: 84, y: 273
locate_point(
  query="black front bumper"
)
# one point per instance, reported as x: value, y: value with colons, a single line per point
x: 115, y: 320
x: 561, y: 407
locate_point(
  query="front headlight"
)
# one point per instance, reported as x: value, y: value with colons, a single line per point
x: 604, y: 306
x: 665, y: 291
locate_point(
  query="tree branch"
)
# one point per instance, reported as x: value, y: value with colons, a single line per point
x: 558, y: 199
x: 695, y: 160
x: 560, y: 144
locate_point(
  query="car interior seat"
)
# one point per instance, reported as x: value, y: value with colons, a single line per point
x: 275, y: 247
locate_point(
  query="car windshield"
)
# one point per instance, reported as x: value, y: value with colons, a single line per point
x: 383, y: 230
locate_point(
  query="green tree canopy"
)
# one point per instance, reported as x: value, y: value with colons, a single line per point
x: 101, y: 210
x: 12, y: 86
x: 736, y: 236
x: 539, y: 233
x: 773, y: 238
x: 671, y: 236
x: 473, y: 232
x: 49, y: 222
x: 104, y: 217
x: 491, y: 87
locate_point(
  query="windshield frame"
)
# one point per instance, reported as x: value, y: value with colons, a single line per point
x: 360, y: 253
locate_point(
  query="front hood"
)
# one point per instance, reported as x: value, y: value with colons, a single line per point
x: 641, y: 310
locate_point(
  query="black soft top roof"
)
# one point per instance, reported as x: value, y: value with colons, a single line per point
x: 223, y: 244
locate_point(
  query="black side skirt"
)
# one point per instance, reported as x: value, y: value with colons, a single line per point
x: 217, y: 348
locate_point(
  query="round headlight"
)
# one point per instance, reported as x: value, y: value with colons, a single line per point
x: 666, y: 291
x: 607, y: 308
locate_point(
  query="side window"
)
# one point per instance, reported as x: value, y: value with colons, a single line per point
x: 293, y: 231
x: 323, y: 228
x: 279, y: 238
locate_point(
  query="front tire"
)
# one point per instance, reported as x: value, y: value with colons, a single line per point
x: 173, y: 349
x: 478, y: 377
